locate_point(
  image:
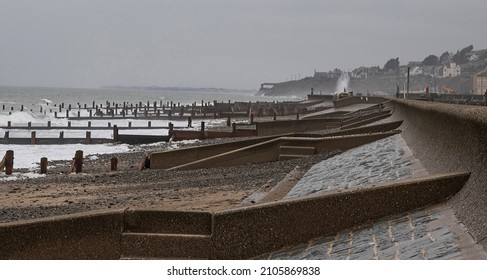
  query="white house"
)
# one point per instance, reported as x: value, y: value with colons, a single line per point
x: 451, y: 71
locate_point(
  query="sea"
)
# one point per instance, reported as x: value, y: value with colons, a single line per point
x: 40, y: 103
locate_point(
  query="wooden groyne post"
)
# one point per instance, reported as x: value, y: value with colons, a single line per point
x: 113, y: 163
x: 44, y: 165
x: 115, y: 132
x: 7, y: 162
x: 77, y: 165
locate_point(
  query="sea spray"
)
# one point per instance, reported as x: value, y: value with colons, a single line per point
x: 343, y: 82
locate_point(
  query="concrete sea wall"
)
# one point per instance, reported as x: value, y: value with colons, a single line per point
x: 447, y: 138
x: 232, y: 234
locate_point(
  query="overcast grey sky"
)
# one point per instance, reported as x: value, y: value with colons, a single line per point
x: 221, y: 43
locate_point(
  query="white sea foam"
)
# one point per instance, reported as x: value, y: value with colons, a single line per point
x: 20, y: 176
x: 45, y: 100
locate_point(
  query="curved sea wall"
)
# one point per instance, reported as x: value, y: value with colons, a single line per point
x: 447, y: 138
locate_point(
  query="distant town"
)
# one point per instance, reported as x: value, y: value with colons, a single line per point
x: 460, y: 72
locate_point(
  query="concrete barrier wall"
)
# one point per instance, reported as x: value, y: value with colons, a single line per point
x: 175, y: 222
x: 249, y: 232
x: 141, y: 139
x: 292, y: 126
x: 262, y: 152
x: 366, y: 129
x: 168, y: 159
x: 269, y: 151
x: 172, y: 158
x: 320, y: 97
x: 192, y: 134
x: 312, y: 124
x: 357, y: 100
x: 90, y: 236
x: 448, y: 137
x: 232, y: 234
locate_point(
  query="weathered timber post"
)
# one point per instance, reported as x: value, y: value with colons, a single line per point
x: 115, y: 132
x: 275, y: 116
x: 6, y: 137
x: 48, y: 123
x: 78, y: 161
x: 88, y: 137
x: 9, y: 124
x: 234, y: 129
x: 43, y: 165
x: 113, y: 163
x: 229, y: 121
x: 149, y: 124
x: 251, y: 118
x: 61, y: 134
x: 145, y: 162
x: 33, y: 138
x: 171, y: 129
x: 202, y: 130
x: 9, y: 162
x: 190, y: 122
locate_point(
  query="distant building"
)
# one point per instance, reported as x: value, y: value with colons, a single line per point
x: 320, y: 74
x: 336, y: 73
x: 413, y: 64
x: 360, y: 73
x: 374, y: 71
x: 416, y: 70
x: 479, y: 85
x: 452, y: 70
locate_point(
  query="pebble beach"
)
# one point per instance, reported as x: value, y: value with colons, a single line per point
x: 98, y: 188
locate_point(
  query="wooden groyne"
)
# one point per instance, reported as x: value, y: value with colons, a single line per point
x: 159, y: 110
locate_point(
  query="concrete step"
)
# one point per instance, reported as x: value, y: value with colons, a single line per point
x: 165, y: 246
x: 296, y: 150
x: 288, y: 157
